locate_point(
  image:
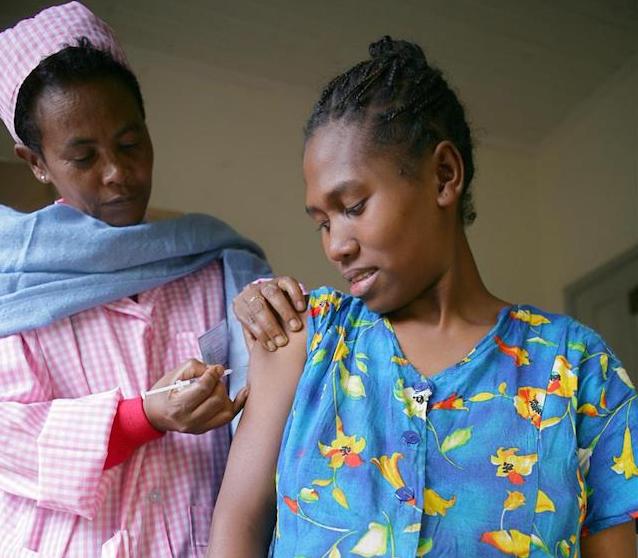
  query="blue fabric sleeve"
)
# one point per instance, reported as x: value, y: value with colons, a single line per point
x: 607, y: 430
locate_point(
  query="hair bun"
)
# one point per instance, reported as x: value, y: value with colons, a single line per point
x: 388, y: 47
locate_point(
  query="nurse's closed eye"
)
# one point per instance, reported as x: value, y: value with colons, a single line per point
x: 82, y: 159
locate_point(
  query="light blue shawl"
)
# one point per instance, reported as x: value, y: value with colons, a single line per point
x: 58, y: 261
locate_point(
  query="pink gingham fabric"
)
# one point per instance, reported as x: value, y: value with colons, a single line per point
x: 59, y: 390
x: 23, y: 47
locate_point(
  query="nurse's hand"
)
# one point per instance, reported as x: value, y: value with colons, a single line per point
x: 263, y: 307
x: 196, y: 408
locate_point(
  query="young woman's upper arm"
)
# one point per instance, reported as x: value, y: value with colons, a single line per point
x: 244, y: 513
x: 618, y: 541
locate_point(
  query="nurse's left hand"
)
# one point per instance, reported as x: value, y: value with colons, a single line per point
x: 263, y: 307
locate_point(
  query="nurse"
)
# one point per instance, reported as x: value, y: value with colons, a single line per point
x: 97, y: 307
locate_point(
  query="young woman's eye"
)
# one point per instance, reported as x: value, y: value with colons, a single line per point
x: 356, y: 209
x: 323, y: 226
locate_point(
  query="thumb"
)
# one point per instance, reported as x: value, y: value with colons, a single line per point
x: 249, y: 338
x: 240, y: 400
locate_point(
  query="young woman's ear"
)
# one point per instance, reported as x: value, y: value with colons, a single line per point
x: 448, y: 165
x: 35, y: 162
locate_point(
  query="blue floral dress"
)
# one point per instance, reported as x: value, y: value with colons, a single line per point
x: 516, y: 450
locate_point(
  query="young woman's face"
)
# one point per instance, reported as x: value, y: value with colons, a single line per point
x: 97, y: 150
x: 387, y: 233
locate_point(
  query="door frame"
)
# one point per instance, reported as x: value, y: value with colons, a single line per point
x: 572, y: 290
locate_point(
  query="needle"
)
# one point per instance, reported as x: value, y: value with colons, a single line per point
x: 179, y: 384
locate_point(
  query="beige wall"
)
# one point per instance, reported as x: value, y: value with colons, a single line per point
x: 587, y: 185
x: 230, y: 144
x: 503, y: 236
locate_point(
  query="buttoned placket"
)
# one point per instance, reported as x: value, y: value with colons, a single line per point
x: 415, y: 443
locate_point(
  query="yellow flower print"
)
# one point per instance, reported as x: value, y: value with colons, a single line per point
x: 416, y: 402
x: 320, y: 305
x: 316, y: 339
x: 514, y: 500
x: 520, y: 356
x: 584, y: 458
x: 622, y: 374
x: 468, y: 357
x: 513, y: 466
x: 544, y: 503
x: 510, y: 542
x: 342, y: 350
x: 563, y: 381
x: 528, y: 317
x: 624, y: 463
x: 374, y: 542
x: 452, y: 403
x: 343, y: 449
x: 435, y: 504
x: 350, y: 383
x: 425, y: 546
x: 309, y: 495
x: 389, y: 468
x: 400, y: 360
x: 564, y: 548
x: 588, y: 409
x: 582, y: 497
x: 529, y: 403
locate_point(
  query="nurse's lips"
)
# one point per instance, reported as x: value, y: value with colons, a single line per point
x: 360, y: 279
x: 120, y: 200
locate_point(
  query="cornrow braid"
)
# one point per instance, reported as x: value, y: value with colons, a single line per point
x: 407, y: 102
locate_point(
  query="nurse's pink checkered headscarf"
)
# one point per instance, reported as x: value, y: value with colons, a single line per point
x: 23, y: 47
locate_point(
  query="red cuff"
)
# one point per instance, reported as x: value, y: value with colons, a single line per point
x: 131, y: 429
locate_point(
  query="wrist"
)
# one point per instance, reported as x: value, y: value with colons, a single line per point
x: 148, y: 409
x: 131, y: 429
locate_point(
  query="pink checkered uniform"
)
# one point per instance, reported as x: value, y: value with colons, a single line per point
x: 60, y: 387
x: 59, y: 390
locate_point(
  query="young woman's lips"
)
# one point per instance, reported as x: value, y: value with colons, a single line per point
x: 362, y: 282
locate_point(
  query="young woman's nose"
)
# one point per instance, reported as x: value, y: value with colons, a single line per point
x: 341, y: 245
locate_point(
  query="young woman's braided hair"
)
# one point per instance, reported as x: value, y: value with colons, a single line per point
x: 404, y: 102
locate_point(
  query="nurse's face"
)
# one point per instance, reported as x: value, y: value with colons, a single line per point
x: 96, y: 150
x: 390, y: 236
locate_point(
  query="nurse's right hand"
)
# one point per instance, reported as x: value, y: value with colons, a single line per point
x: 196, y: 408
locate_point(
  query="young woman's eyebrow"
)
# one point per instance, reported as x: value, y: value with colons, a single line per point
x: 338, y: 190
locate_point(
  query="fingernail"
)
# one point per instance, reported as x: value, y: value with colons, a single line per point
x: 281, y: 340
x: 300, y: 306
x: 294, y: 323
x: 271, y: 346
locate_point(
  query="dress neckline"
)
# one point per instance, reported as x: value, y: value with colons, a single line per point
x: 503, y: 320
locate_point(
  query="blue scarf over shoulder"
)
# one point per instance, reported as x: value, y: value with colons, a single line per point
x: 58, y: 261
